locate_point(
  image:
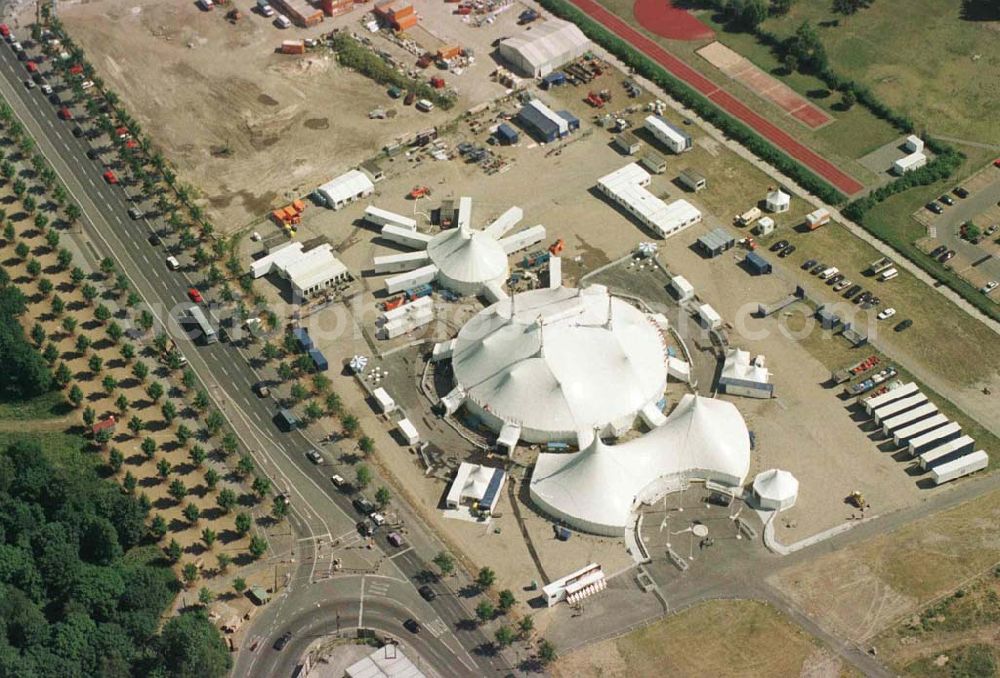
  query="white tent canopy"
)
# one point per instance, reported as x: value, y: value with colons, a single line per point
x: 559, y: 362
x: 775, y: 489
x: 597, y: 488
x: 545, y: 47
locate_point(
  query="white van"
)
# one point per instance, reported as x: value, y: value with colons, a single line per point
x: 173, y: 263
x: 829, y: 273
x: 283, y: 21
x: 425, y: 106
x: 888, y: 274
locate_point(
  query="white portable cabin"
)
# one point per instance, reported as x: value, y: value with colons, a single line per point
x: 404, y: 261
x: 404, y: 281
x: 405, y: 237
x: 408, y: 431
x: 963, y: 466
x: 904, y: 435
x: 817, y: 218
x: 927, y: 441
x: 908, y: 163
x: 914, y: 144
x: 384, y: 400
x: 677, y: 140
x: 893, y: 424
x: 871, y: 403
x: 400, y: 326
x: 682, y: 287
x: 764, y: 226
x: 709, y: 317
x: 381, y: 217
x: 946, y: 452
x: 526, y: 238
x: 555, y: 272
x: 417, y: 306
x: 899, y: 407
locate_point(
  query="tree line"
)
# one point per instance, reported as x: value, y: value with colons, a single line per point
x: 25, y: 373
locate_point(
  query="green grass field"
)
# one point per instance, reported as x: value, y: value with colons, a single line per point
x: 46, y: 406
x: 919, y: 56
x: 853, y: 133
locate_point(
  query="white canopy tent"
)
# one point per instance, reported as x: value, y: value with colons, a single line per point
x: 597, y: 488
x: 775, y: 489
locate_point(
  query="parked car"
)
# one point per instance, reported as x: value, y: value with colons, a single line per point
x: 377, y: 518
x: 946, y: 256
x: 960, y: 192
x: 173, y: 263
x: 989, y: 287
x: 261, y: 389
x: 835, y: 279
x: 854, y: 289
x: 427, y: 593
x: 862, y: 298
x: 886, y: 313
x: 30, y: 84
x: 337, y: 480
x: 841, y: 285
x: 362, y: 505
x: 110, y: 177
x: 47, y: 89
x: 935, y: 208
x: 135, y: 213
x: 905, y: 324
x: 809, y: 263
x: 153, y: 239
x: 947, y: 200
x: 938, y: 251
x: 194, y: 295
x: 364, y: 528
x: 817, y: 268
x: 992, y: 229
x: 780, y: 245
x: 786, y: 251
x: 314, y: 456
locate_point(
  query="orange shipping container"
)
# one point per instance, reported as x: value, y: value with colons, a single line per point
x: 406, y: 22
x: 293, y: 47
x: 449, y: 52
x: 298, y: 205
x: 400, y: 11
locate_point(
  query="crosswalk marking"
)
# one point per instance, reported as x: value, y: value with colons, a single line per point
x: 437, y: 628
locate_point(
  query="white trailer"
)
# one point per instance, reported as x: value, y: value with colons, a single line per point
x: 893, y: 424
x: 963, y: 466
x: 682, y: 288
x: 405, y: 237
x: 408, y: 431
x: 922, y: 443
x: 381, y: 217
x: 674, y: 138
x: 898, y: 407
x: 526, y: 238
x: 421, y: 305
x: 405, y: 261
x: 709, y: 317
x: 817, y: 218
x: 946, y: 452
x: 506, y: 221
x: 405, y: 281
x: 385, y: 402
x: 555, y: 272
x: 873, y: 402
x: 903, y: 436
x: 400, y: 326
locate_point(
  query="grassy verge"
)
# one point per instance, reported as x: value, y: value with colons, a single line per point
x: 48, y: 406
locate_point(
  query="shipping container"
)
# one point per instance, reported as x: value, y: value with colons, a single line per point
x: 945, y: 452
x: 931, y: 439
x: 872, y: 403
x: 960, y: 467
x: 903, y: 436
x: 900, y: 421
x: 293, y: 47
x: 897, y: 407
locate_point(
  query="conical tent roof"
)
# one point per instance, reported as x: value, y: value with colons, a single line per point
x: 776, y: 485
x: 596, y: 488
x: 466, y: 256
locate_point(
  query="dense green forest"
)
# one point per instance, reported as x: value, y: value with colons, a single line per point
x: 25, y: 373
x: 80, y: 595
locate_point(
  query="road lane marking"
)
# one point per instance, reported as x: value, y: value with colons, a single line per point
x: 408, y: 549
x: 361, y: 607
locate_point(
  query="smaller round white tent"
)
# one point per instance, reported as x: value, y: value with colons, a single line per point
x: 775, y: 489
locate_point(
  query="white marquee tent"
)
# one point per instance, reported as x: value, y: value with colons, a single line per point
x: 544, y: 48
x: 597, y: 488
x: 775, y: 489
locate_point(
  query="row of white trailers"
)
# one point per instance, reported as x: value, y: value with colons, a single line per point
x: 913, y: 422
x: 405, y: 318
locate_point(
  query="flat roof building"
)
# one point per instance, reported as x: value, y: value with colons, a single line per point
x: 627, y: 187
x: 545, y: 124
x: 476, y: 486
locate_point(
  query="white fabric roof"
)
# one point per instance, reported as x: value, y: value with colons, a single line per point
x: 314, y: 268
x: 550, y: 43
x: 778, y: 197
x: 553, y: 361
x: 775, y: 485
x: 595, y: 489
x: 347, y: 186
x: 467, y: 257
x: 738, y: 366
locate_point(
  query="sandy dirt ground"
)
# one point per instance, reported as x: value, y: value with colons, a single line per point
x: 733, y: 637
x: 246, y: 126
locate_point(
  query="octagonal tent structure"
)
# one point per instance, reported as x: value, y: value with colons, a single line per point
x: 775, y: 489
x: 467, y: 260
x: 559, y: 363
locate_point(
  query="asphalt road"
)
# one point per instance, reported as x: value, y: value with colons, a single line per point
x: 320, y: 511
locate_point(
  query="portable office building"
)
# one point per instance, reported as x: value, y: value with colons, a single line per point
x: 653, y: 161
x: 404, y: 281
x: 946, y: 452
x: 682, y: 288
x: 873, y: 402
x: 628, y: 143
x: 931, y: 439
x: 757, y: 264
x: 900, y: 421
x: 817, y: 218
x: 709, y: 317
x: 405, y: 237
x: 674, y: 138
x: 908, y: 163
x: 381, y: 217
x: 716, y: 241
x: 957, y: 468
x: 384, y: 400
x: 898, y: 407
x: 903, y: 436
x: 408, y: 431
x: 542, y: 122
x: 404, y: 261
x: 692, y: 180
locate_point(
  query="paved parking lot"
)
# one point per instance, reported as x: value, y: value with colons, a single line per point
x: 982, y: 208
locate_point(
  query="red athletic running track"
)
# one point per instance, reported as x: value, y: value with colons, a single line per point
x: 723, y: 99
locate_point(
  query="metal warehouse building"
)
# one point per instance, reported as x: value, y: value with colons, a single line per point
x: 544, y: 48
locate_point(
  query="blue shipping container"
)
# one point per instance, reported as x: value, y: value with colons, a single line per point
x: 319, y: 360
x: 554, y: 80
x: 417, y: 292
x: 301, y: 335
